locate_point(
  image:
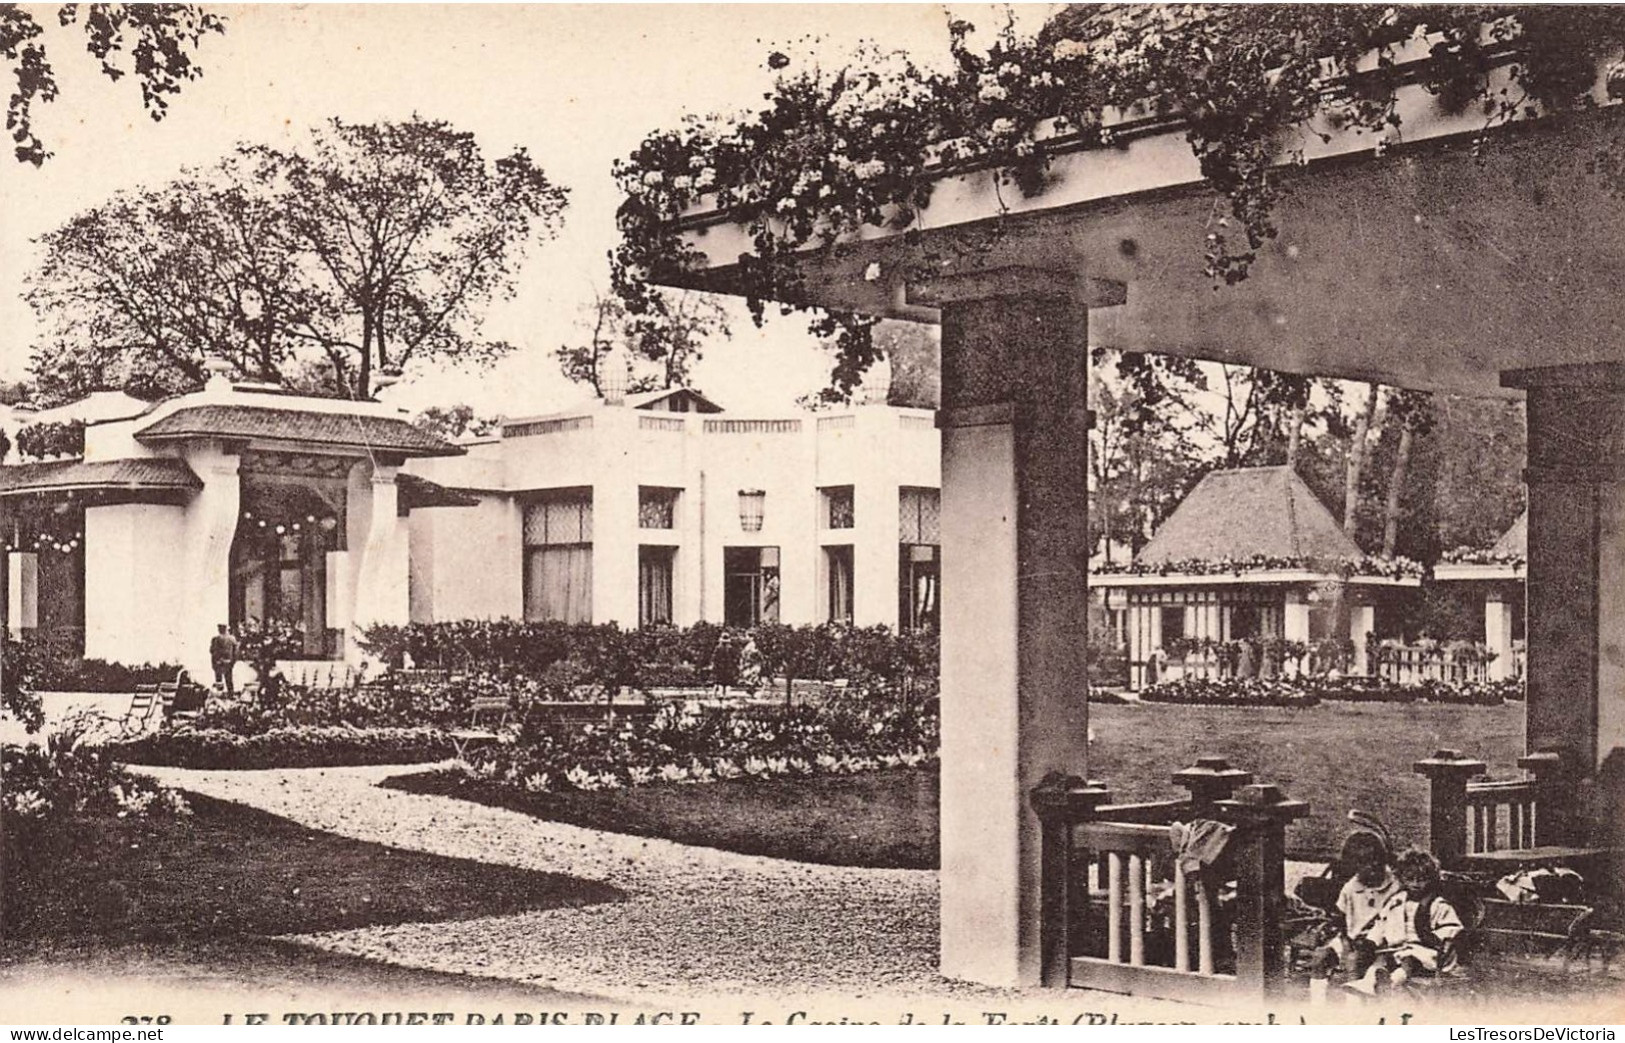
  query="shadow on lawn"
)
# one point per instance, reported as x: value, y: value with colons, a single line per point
x: 879, y: 819
x: 230, y: 870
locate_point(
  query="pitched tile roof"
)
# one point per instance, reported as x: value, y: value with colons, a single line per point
x: 1251, y: 511
x: 128, y: 475
x: 350, y: 430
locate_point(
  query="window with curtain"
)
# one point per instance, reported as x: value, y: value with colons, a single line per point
x: 656, y: 566
x: 917, y: 516
x: 916, y: 586
x: 839, y: 507
x: 919, y: 567
x: 558, y: 557
x: 657, y: 507
x: 838, y: 576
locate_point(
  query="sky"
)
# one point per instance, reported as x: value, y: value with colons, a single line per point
x: 578, y: 86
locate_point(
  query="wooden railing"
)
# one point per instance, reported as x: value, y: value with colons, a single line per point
x: 1407, y: 665
x: 1499, y: 824
x: 1121, y: 912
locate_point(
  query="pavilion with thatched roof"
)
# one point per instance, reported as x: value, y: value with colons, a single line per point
x: 1250, y: 554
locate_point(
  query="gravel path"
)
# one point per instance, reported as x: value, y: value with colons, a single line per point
x: 699, y: 922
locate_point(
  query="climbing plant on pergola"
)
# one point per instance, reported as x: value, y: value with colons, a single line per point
x: 835, y: 149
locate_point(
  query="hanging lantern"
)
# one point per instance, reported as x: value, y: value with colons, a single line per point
x: 752, y: 509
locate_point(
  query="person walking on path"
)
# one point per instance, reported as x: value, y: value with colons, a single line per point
x: 223, y: 657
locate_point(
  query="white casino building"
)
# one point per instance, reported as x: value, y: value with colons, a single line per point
x: 244, y: 502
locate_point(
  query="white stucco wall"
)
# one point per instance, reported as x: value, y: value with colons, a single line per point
x: 135, y: 594
x: 467, y: 562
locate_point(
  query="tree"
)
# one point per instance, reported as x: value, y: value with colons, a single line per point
x: 914, y: 352
x: 164, y: 37
x: 1140, y: 467
x: 659, y: 346
x: 141, y: 288
x: 1356, y: 462
x: 376, y: 247
x: 1412, y: 412
x: 454, y: 422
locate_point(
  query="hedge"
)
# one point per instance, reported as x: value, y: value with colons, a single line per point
x: 604, y: 657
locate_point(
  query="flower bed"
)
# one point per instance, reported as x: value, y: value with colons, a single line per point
x: 679, y: 748
x: 1204, y: 691
x: 303, y: 747
x: 1309, y: 690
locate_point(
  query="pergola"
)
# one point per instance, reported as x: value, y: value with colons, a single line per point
x: 1432, y: 266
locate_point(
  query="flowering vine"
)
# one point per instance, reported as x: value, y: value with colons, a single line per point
x: 835, y: 150
x: 1389, y: 568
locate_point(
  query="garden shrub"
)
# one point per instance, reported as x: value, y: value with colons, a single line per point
x: 50, y: 791
x: 52, y: 665
x: 594, y: 661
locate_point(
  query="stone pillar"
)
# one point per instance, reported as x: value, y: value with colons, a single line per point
x: 1294, y: 627
x: 1498, y: 633
x: 615, y: 546
x: 22, y: 591
x: 381, y: 593
x: 1576, y: 568
x: 1015, y: 604
x: 1295, y: 617
x: 1137, y: 650
x: 1362, y: 624
x: 210, y: 526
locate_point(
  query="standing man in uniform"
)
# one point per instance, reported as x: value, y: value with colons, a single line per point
x: 223, y: 656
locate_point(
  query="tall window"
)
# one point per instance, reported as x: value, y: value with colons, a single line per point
x: 655, y: 572
x: 750, y: 585
x: 918, y: 516
x: 917, y: 580
x: 838, y: 577
x: 558, y: 557
x: 919, y: 557
x: 1173, y: 623
x: 839, y: 507
x: 657, y: 507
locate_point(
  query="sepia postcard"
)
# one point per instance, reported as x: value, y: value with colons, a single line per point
x: 840, y: 514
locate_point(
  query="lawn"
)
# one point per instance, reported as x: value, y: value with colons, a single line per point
x: 228, y: 870
x: 1336, y: 756
x: 882, y: 818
